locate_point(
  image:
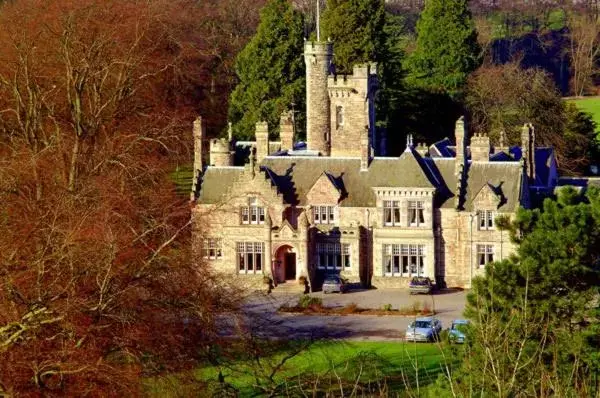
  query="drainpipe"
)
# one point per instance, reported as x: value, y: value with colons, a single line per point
x: 471, y: 252
x: 369, y: 248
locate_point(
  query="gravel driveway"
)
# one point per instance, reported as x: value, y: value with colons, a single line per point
x: 263, y: 319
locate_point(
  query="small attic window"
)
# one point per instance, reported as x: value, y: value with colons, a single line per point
x: 339, y: 116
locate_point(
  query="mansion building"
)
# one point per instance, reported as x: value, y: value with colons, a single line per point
x: 328, y: 205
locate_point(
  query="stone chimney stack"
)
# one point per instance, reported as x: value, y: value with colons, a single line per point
x: 199, y: 132
x: 262, y: 141
x: 286, y: 131
x: 365, y: 153
x: 317, y: 56
x: 528, y: 149
x: 480, y: 148
x: 460, y: 135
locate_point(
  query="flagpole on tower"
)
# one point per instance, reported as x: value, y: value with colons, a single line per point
x: 318, y: 17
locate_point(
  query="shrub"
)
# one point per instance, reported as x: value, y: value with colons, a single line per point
x: 351, y: 308
x: 426, y: 309
x: 416, y: 306
x: 386, y: 307
x: 307, y: 301
x: 302, y: 280
x: 267, y: 280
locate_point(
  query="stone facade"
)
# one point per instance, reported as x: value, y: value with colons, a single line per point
x: 332, y: 207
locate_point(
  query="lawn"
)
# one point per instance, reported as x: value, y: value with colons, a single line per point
x: 182, y: 177
x: 397, y: 366
x: 590, y: 105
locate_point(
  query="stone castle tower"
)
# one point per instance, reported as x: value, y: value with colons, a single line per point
x: 318, y: 56
x: 340, y: 109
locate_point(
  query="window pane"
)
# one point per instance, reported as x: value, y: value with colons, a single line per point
x: 241, y: 262
x: 316, y: 215
x: 261, y: 213
x: 421, y: 216
x: 322, y: 260
x: 387, y: 215
x: 253, y: 214
x: 330, y: 260
x: 331, y: 215
x: 338, y: 259
x: 412, y: 216
x: 347, y: 261
x: 396, y: 264
x: 387, y: 263
x: 405, y: 264
x: 481, y: 259
x: 258, y: 261
x: 245, y: 214
x: 250, y: 262
x: 396, y: 215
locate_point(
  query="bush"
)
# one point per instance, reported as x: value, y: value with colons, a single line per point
x: 302, y: 280
x: 386, y: 307
x: 351, y: 308
x: 267, y: 280
x: 426, y: 309
x: 308, y: 301
x: 416, y: 306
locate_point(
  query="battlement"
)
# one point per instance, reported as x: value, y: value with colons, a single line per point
x: 318, y: 48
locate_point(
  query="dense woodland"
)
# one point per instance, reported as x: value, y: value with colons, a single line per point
x: 97, y: 287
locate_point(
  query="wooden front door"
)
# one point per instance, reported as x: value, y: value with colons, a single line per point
x: 290, y: 266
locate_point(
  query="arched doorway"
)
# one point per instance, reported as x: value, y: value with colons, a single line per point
x: 284, y: 264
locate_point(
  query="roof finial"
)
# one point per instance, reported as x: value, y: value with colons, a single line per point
x: 318, y: 20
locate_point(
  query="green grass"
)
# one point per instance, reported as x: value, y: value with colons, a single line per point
x: 590, y: 105
x: 182, y: 177
x: 396, y: 364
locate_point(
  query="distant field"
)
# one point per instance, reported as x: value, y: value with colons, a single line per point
x: 396, y: 362
x: 590, y: 105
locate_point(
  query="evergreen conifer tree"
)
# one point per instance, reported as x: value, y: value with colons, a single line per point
x: 447, y: 50
x: 356, y: 28
x: 270, y: 70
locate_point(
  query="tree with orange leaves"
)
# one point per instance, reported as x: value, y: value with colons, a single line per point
x: 96, y: 277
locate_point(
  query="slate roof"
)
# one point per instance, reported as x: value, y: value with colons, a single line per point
x: 505, y: 179
x: 215, y: 182
x: 295, y: 175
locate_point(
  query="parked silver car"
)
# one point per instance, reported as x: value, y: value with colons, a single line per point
x: 424, y: 329
x: 333, y: 283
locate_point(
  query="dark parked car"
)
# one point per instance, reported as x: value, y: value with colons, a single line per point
x: 333, y: 283
x: 420, y: 284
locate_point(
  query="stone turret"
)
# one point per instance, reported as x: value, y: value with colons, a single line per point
x: 262, y: 141
x: 528, y: 149
x: 480, y: 148
x: 317, y: 56
x: 220, y: 152
x: 286, y: 131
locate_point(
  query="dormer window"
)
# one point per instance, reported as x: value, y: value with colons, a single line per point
x: 324, y: 214
x: 253, y: 213
x: 339, y: 117
x: 486, y: 219
x: 391, y: 212
x: 416, y: 213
